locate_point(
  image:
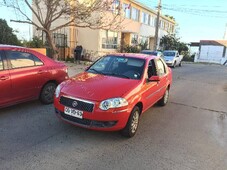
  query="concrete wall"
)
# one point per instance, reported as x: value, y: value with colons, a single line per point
x: 40, y: 50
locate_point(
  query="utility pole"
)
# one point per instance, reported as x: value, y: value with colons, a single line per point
x: 157, y: 25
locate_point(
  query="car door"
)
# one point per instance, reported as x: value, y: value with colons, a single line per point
x: 162, y: 72
x: 26, y: 75
x: 5, y: 82
x: 150, y: 88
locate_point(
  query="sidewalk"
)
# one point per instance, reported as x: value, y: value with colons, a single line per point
x: 74, y: 69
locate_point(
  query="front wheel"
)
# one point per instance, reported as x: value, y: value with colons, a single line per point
x: 180, y: 64
x: 164, y: 100
x: 47, y: 93
x: 174, y: 64
x: 132, y: 124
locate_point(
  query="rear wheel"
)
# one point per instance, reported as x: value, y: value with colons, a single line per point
x: 164, y: 100
x: 47, y: 93
x: 132, y: 124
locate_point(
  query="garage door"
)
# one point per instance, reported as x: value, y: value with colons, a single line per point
x: 211, y: 53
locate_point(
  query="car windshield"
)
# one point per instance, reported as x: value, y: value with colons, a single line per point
x: 167, y: 53
x: 150, y: 52
x: 118, y: 66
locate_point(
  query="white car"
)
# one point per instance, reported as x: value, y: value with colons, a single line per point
x: 155, y: 53
x: 172, y: 58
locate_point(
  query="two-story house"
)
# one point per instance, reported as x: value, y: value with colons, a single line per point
x: 138, y: 26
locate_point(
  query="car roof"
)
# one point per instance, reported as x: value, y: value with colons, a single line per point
x: 134, y: 55
x: 9, y: 46
x: 151, y: 51
x: 170, y: 51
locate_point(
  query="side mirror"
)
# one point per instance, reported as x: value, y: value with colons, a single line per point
x: 154, y: 78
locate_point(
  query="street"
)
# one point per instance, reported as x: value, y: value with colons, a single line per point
x: 189, y: 133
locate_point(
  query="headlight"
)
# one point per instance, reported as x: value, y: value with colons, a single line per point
x: 57, y: 91
x: 113, y: 103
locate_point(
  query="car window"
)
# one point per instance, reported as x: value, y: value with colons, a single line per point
x: 38, y: 62
x: 125, y: 67
x: 1, y: 63
x: 149, y: 52
x: 151, y: 69
x: 168, y: 53
x: 20, y: 59
x: 160, y: 67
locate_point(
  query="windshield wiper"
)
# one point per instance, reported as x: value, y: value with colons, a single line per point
x: 99, y: 72
x: 119, y: 75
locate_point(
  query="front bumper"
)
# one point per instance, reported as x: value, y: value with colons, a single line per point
x: 110, y: 120
x: 169, y: 63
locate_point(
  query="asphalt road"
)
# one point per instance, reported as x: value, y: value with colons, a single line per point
x: 190, y: 133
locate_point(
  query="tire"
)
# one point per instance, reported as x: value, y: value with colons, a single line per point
x: 47, y: 93
x: 180, y: 64
x: 164, y: 100
x: 132, y: 124
x: 174, y: 64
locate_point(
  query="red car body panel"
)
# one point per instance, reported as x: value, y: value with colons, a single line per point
x: 96, y: 88
x: 25, y: 83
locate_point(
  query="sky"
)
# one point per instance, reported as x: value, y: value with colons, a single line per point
x: 197, y: 19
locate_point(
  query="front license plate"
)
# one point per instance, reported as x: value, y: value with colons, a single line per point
x: 73, y: 112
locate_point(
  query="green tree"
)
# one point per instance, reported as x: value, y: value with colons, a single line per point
x: 36, y: 42
x: 95, y: 14
x: 171, y: 42
x: 7, y: 35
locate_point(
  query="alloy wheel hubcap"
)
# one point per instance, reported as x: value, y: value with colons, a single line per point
x: 49, y: 92
x: 135, y: 121
x: 166, y: 96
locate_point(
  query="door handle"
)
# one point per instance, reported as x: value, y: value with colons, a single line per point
x: 4, y: 77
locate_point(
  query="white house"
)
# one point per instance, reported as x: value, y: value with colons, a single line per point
x: 212, y: 51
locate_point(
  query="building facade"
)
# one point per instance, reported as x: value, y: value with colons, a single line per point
x: 212, y: 51
x: 137, y: 27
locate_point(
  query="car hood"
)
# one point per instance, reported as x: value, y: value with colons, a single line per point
x: 97, y: 87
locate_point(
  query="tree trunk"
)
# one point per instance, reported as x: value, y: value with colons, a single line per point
x: 54, y: 50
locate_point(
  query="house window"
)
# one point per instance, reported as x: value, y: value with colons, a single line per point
x: 171, y: 28
x: 127, y: 10
x: 60, y: 39
x: 144, y: 41
x: 155, y: 21
x: 135, y: 14
x: 134, y: 39
x: 109, y: 39
x: 152, y: 21
x: 115, y: 7
x: 145, y: 18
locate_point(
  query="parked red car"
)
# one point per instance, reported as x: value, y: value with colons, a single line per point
x: 26, y: 74
x: 113, y: 92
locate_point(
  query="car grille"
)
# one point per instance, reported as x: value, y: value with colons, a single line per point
x: 77, y: 104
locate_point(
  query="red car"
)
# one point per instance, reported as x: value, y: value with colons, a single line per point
x: 26, y: 74
x: 113, y: 92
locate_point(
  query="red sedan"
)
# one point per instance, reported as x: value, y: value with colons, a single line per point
x: 113, y: 92
x: 27, y: 75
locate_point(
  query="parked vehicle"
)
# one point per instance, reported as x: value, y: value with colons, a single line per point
x: 112, y: 93
x: 172, y: 58
x: 26, y: 75
x: 155, y: 53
